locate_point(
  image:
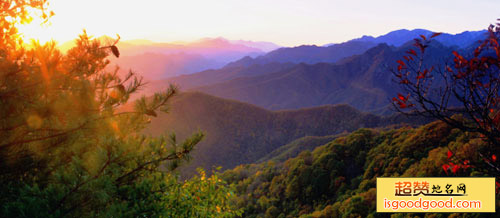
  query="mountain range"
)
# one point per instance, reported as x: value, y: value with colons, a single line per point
x: 274, y: 110
x: 400, y: 37
x: 333, y: 52
x: 362, y: 81
x: 357, y: 72
x: 238, y: 133
x: 154, y: 60
x: 308, y: 54
x: 289, y: 126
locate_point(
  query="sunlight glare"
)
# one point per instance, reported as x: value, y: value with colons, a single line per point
x: 37, y: 29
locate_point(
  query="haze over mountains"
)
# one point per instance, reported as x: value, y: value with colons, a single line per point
x: 356, y: 72
x: 362, y: 81
x: 330, y: 53
x: 355, y: 76
x: 155, y: 60
x: 309, y: 54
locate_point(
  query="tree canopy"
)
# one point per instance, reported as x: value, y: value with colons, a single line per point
x: 68, y: 148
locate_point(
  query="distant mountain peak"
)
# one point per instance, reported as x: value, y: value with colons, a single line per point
x: 401, y: 36
x: 215, y: 42
x: 379, y: 48
x: 367, y: 37
x: 264, y: 46
x: 210, y: 39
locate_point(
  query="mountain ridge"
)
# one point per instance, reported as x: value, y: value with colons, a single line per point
x: 333, y: 52
x: 363, y: 81
x: 244, y: 133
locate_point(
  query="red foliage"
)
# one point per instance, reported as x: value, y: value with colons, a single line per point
x: 455, y: 168
x: 402, y: 101
x: 469, y: 85
x: 401, y: 65
x: 445, y: 168
x: 412, y: 52
x: 422, y: 75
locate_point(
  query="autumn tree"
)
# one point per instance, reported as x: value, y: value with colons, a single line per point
x: 68, y: 148
x: 464, y: 93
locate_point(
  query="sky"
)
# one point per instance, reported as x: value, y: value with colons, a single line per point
x: 284, y: 22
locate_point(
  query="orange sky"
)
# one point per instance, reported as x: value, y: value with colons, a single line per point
x: 286, y: 22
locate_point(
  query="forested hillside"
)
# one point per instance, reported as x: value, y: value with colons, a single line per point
x: 243, y: 133
x: 338, y: 178
x: 242, y: 127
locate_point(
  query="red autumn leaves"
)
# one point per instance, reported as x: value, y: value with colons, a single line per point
x: 464, y: 93
x: 402, y: 101
x: 403, y: 73
x: 475, y: 72
x: 475, y: 67
x: 455, y: 167
x: 462, y: 165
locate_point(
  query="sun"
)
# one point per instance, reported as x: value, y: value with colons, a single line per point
x: 37, y: 26
x: 38, y: 29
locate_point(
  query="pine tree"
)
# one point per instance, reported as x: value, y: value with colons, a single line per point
x: 69, y: 148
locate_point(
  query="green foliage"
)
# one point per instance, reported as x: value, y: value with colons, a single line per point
x: 293, y: 148
x: 200, y: 197
x: 69, y: 147
x: 338, y: 178
x: 243, y: 133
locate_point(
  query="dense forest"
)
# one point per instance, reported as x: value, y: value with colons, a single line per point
x: 338, y: 179
x: 77, y: 139
x: 244, y: 133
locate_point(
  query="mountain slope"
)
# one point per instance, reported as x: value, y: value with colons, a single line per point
x: 210, y: 77
x: 297, y: 146
x: 362, y: 81
x: 330, y: 53
x: 154, y: 66
x: 308, y: 54
x: 264, y: 46
x: 338, y: 179
x: 238, y: 133
x: 395, y: 38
